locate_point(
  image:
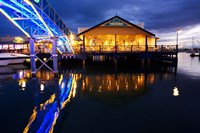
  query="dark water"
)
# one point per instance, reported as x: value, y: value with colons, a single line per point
x: 137, y: 99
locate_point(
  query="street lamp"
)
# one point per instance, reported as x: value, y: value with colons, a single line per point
x: 177, y: 32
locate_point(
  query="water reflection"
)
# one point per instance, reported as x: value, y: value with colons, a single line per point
x: 10, y: 70
x: 188, y: 65
x: 99, y: 89
x: 116, y: 87
x: 45, y: 113
x: 107, y: 85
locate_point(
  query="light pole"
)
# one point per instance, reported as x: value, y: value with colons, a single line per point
x: 177, y: 32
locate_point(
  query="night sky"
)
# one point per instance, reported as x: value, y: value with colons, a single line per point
x: 161, y: 17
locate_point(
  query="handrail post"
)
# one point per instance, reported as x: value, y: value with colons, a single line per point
x: 99, y: 48
x: 146, y: 44
x: 116, y: 48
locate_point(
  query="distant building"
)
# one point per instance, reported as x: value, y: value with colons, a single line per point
x: 13, y: 43
x: 116, y: 33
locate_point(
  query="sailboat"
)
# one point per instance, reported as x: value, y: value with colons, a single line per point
x: 192, y: 50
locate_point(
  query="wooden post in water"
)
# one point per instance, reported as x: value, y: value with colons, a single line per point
x: 36, y: 93
x: 115, y: 43
x: 115, y: 58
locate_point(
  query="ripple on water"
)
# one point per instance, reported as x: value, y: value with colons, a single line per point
x: 189, y: 66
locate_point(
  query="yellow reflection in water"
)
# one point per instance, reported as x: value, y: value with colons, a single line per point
x: 112, y: 82
x: 151, y: 78
x: 83, y: 85
x: 74, y: 86
x: 60, y: 79
x: 22, y: 83
x: 32, y: 118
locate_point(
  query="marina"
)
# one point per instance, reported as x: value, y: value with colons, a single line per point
x: 135, y: 70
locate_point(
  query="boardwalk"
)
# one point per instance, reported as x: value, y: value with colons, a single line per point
x: 130, y: 53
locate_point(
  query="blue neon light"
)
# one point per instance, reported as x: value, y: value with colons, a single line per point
x: 28, y: 21
x: 37, y: 1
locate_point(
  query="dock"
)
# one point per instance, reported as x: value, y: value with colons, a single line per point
x: 158, y: 55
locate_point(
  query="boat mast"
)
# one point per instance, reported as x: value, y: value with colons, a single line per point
x: 192, y: 42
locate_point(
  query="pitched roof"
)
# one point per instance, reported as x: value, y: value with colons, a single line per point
x: 14, y: 40
x: 104, y: 22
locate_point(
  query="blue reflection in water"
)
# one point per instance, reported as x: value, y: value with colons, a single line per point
x: 45, y: 115
x: 19, y: 75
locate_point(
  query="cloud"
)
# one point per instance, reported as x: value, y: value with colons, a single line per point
x: 156, y: 14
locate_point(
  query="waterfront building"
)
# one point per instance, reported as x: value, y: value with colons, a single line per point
x: 13, y: 44
x: 21, y: 44
x: 115, y: 35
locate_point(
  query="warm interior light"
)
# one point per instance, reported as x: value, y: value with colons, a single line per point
x: 72, y: 37
x: 18, y: 40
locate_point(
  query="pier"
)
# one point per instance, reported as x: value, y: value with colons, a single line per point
x: 161, y: 54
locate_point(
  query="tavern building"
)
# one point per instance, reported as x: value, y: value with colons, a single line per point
x: 115, y: 35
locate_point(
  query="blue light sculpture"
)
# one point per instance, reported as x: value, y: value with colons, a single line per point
x: 37, y: 19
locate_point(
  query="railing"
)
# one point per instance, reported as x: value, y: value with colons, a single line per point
x: 167, y: 48
x: 123, y: 48
x: 108, y: 49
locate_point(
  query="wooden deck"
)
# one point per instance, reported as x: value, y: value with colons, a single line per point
x: 170, y: 50
x: 167, y: 54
